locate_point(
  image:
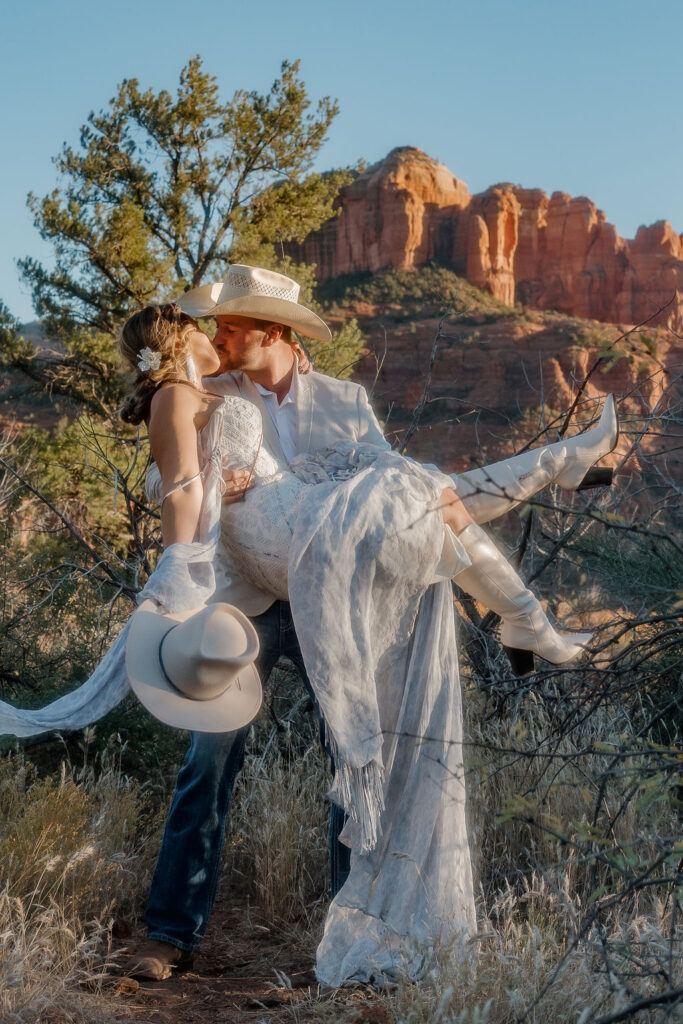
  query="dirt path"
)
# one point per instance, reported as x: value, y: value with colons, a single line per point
x: 245, y: 973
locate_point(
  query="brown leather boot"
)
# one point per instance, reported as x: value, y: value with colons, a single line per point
x: 156, y: 961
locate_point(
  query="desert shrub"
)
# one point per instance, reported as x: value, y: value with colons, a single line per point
x: 431, y: 288
x: 338, y: 357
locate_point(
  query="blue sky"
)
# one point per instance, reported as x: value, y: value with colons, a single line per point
x: 581, y: 96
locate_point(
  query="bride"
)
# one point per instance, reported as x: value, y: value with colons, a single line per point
x: 354, y: 537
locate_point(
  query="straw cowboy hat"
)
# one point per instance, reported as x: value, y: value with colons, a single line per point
x: 254, y: 291
x: 195, y: 670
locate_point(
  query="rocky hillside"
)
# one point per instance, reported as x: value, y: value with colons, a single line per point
x: 500, y: 372
x: 556, y: 253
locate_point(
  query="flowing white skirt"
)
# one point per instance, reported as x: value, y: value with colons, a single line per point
x: 347, y: 537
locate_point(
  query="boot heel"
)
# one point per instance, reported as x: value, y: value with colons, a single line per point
x: 521, y: 662
x: 598, y: 476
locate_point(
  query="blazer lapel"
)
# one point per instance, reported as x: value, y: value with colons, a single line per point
x: 271, y: 441
x: 304, y: 412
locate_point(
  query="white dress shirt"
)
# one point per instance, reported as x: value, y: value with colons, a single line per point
x: 283, y: 415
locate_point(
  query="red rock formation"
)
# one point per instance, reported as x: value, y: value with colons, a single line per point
x: 491, y: 230
x: 655, y: 274
x: 393, y: 215
x: 573, y: 260
x: 558, y: 253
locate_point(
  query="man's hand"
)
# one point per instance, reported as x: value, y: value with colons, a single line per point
x: 236, y: 483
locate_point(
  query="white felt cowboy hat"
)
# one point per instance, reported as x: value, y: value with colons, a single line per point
x: 195, y: 670
x: 254, y: 291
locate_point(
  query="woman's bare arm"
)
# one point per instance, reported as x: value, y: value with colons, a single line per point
x: 173, y: 438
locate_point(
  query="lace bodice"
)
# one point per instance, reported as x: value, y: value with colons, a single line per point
x: 257, y: 532
x: 240, y: 439
x: 232, y: 437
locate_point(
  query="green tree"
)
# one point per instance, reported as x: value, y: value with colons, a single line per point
x: 162, y: 193
x: 164, y: 190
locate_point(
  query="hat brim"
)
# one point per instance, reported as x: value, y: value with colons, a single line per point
x: 280, y: 311
x: 232, y: 709
x: 198, y: 301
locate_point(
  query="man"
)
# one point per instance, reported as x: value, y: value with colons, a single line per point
x: 255, y: 311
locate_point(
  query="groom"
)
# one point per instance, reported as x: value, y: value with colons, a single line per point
x: 255, y: 311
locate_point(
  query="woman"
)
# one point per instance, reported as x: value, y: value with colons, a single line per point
x: 176, y: 406
x: 354, y: 536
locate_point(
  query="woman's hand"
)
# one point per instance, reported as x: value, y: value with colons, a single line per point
x: 236, y: 484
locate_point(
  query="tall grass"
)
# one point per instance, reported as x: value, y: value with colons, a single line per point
x: 279, y: 826
x: 524, y: 969
x: 76, y: 851
x: 529, y: 817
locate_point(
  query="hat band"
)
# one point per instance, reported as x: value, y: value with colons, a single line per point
x: 161, y: 661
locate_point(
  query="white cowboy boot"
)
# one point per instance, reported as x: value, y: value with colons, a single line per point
x: 585, y: 449
x: 491, y: 491
x: 492, y: 581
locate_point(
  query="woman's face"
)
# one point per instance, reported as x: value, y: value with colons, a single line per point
x: 204, y: 354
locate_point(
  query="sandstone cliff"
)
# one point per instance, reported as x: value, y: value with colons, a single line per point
x: 549, y: 253
x: 397, y: 214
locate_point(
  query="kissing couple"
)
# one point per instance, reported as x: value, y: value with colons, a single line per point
x: 291, y: 528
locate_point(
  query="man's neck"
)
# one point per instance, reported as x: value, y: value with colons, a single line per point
x: 277, y: 375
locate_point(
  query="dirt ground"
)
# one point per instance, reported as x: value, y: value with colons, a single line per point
x: 245, y: 973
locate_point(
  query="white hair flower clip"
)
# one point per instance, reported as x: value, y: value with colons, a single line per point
x: 148, y: 360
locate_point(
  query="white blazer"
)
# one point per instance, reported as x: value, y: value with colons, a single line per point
x: 327, y: 410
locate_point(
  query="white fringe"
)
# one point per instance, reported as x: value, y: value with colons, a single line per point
x: 360, y: 791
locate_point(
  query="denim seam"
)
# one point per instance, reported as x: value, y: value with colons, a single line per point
x: 213, y: 885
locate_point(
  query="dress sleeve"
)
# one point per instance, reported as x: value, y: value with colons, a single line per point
x: 181, y: 486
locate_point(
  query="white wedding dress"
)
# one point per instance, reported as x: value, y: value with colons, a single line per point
x: 352, y: 536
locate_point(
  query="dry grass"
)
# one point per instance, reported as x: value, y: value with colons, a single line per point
x: 522, y: 964
x: 553, y: 782
x: 74, y: 855
x: 529, y: 818
x: 279, y: 826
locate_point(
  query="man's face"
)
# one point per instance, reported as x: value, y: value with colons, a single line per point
x: 239, y: 344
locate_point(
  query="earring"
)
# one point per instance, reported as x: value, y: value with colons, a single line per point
x: 191, y: 371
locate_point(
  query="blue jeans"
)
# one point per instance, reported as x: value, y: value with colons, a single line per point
x: 186, y: 876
